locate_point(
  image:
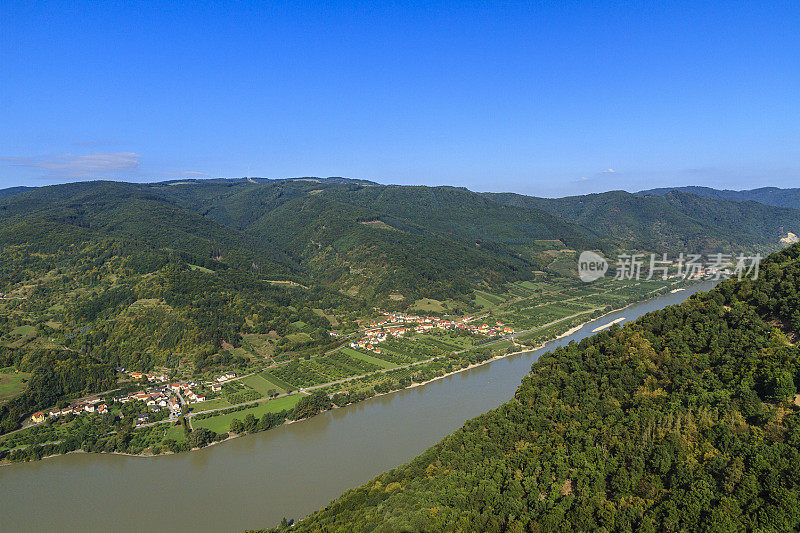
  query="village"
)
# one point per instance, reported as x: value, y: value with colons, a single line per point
x: 170, y: 396
x: 397, y: 324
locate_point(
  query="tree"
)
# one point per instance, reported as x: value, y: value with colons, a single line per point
x: 236, y: 426
x: 311, y: 405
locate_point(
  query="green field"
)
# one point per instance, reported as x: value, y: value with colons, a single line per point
x: 277, y: 381
x: 428, y: 304
x: 488, y: 299
x: 368, y: 358
x: 221, y: 423
x: 262, y: 384
x: 23, y: 331
x: 11, y: 384
x: 176, y: 433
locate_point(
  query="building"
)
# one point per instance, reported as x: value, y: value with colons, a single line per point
x: 38, y: 417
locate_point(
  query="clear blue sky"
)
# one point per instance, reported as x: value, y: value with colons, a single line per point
x: 559, y: 98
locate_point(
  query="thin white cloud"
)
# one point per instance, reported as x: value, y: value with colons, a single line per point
x: 76, y: 164
x: 609, y: 171
x: 581, y: 179
x: 190, y: 173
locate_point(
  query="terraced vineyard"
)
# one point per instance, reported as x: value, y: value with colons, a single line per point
x: 536, y: 304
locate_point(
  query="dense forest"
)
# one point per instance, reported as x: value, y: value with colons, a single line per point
x: 672, y: 221
x: 685, y: 420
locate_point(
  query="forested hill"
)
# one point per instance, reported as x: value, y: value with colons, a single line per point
x: 685, y: 420
x: 675, y: 220
x: 764, y: 195
x: 353, y: 236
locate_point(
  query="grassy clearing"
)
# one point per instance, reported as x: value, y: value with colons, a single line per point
x: 331, y: 318
x: 221, y: 423
x: 368, y: 358
x: 23, y: 331
x: 261, y: 384
x: 428, y: 304
x: 299, y: 338
x: 549, y: 242
x: 175, y: 433
x: 261, y: 344
x: 201, y: 269
x: 12, y: 384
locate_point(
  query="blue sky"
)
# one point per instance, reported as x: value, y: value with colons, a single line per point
x: 549, y: 99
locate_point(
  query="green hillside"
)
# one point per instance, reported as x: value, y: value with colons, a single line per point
x: 675, y: 221
x: 686, y: 420
x: 763, y: 195
x: 370, y: 239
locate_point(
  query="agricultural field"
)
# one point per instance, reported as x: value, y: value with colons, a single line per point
x: 368, y: 358
x: 318, y: 370
x: 288, y: 387
x: 262, y: 385
x: 220, y: 423
x: 236, y: 392
x: 530, y: 305
x: 216, y: 403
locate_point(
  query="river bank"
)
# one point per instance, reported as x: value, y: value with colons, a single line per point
x: 255, y: 480
x: 163, y: 451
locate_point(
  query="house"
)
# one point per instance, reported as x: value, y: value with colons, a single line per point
x: 136, y: 375
x: 38, y: 417
x: 176, y: 387
x: 216, y: 387
x: 200, y: 398
x: 55, y: 413
x: 141, y: 419
x: 89, y: 408
x: 102, y: 409
x: 174, y: 405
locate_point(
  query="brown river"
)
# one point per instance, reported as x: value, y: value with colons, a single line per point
x: 254, y: 481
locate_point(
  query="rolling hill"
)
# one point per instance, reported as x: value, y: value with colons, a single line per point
x: 764, y: 195
x: 671, y: 222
